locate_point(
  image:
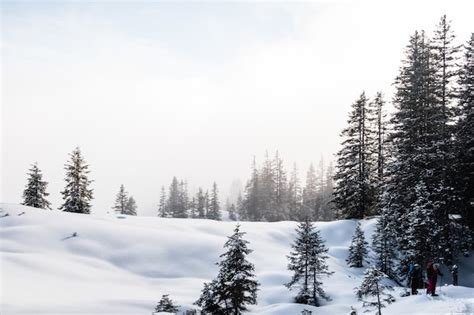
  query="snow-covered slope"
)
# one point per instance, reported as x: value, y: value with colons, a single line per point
x: 124, y: 265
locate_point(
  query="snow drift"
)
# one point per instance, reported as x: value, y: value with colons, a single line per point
x: 122, y: 265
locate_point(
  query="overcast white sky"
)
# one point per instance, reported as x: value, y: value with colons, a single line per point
x: 150, y: 90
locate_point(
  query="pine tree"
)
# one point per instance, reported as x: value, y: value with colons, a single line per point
x: 358, y: 249
x: 353, y: 194
x: 210, y: 299
x: 310, y: 192
x: 416, y: 169
x: 162, y: 207
x: 251, y: 202
x: 235, y: 286
x: 295, y: 196
x: 77, y: 195
x: 421, y: 237
x: 464, y: 131
x: 374, y: 292
x: 166, y: 305
x: 266, y: 193
x: 175, y: 204
x: 307, y: 262
x: 378, y: 146
x: 384, y: 245
x: 201, y: 204
x: 232, y: 212
x: 214, y: 212
x: 121, y: 201
x: 35, y: 193
x: 131, y: 206
x: 281, y: 190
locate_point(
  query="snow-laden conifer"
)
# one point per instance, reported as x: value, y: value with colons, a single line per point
x: 307, y: 261
x: 35, y: 193
x: 358, y: 249
x: 77, y: 195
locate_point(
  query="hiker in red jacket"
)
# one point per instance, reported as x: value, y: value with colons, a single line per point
x: 432, y: 271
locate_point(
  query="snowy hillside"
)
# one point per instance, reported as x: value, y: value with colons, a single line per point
x: 124, y: 265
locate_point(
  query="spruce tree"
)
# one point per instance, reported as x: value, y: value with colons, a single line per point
x: 372, y: 292
x: 235, y: 286
x: 307, y: 261
x: 266, y: 193
x: 251, y: 204
x: 378, y: 147
x: 175, y: 203
x: 464, y: 135
x: 214, y: 212
x: 35, y: 193
x: 295, y: 196
x: 162, y: 206
x: 281, y: 190
x: 121, y: 201
x: 201, y: 204
x: 310, y: 193
x: 232, y: 212
x: 384, y: 245
x: 77, y: 195
x: 358, y: 249
x: 131, y: 206
x: 353, y: 194
x: 166, y: 305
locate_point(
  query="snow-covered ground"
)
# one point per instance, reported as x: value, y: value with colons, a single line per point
x: 124, y: 265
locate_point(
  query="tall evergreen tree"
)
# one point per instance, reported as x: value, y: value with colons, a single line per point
x: 358, y: 249
x: 201, y: 204
x: 417, y: 147
x: 214, y: 212
x: 464, y: 136
x: 378, y: 146
x: 35, y: 193
x: 162, y: 210
x: 174, y: 205
x: 251, y: 202
x: 295, y: 196
x: 353, y: 194
x: 281, y: 190
x: 266, y: 192
x: 77, y: 195
x: 121, y: 201
x: 310, y: 193
x: 235, y: 286
x: 307, y: 262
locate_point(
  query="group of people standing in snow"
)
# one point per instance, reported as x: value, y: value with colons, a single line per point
x: 415, y: 277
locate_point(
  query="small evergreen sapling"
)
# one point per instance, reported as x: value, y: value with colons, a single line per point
x: 35, y: 193
x: 166, y: 305
x: 235, y: 286
x: 307, y: 261
x: 77, y: 195
x: 121, y: 201
x: 372, y: 292
x: 358, y: 249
